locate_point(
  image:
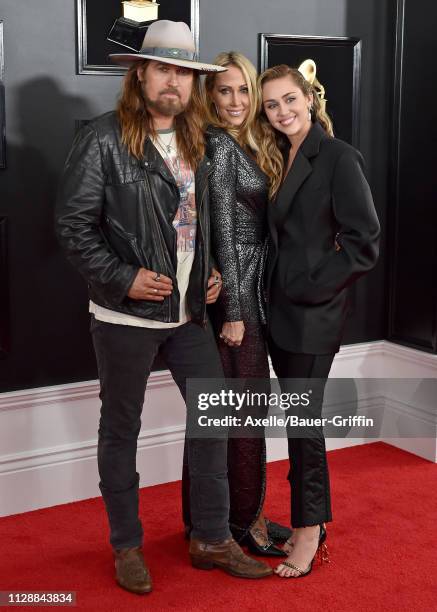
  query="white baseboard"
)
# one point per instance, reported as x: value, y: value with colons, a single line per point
x: 48, y: 436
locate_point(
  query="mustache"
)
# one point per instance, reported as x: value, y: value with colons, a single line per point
x: 170, y: 90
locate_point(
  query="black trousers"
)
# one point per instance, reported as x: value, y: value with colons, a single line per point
x: 308, y: 475
x: 125, y: 355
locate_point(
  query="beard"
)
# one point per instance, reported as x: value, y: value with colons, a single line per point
x: 169, y: 107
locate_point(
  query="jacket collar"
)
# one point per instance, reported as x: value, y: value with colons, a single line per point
x: 311, y: 145
x: 298, y: 173
x: 155, y: 162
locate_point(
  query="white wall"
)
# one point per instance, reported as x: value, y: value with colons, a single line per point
x: 48, y: 436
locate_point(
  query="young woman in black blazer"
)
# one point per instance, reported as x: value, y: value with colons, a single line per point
x: 324, y: 235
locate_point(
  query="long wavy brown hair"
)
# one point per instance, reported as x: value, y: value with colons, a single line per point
x: 137, y: 125
x: 317, y: 112
x: 256, y: 138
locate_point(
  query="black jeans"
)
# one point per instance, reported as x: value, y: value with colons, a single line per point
x: 125, y: 355
x: 308, y: 476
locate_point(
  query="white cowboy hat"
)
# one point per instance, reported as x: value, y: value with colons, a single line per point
x: 170, y: 42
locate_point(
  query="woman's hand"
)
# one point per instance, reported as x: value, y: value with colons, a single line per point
x: 232, y: 333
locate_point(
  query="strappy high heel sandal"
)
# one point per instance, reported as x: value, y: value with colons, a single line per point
x: 322, y: 554
x: 289, y: 544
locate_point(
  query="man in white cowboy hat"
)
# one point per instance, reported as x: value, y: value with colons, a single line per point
x: 132, y: 216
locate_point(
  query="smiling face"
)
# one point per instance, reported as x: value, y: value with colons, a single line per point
x: 230, y: 95
x: 166, y: 87
x: 287, y: 107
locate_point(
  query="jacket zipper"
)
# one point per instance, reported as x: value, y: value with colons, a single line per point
x: 203, y: 255
x: 130, y: 239
x: 149, y: 192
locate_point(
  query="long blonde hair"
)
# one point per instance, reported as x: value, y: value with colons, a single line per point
x: 254, y: 137
x: 317, y: 112
x: 136, y: 121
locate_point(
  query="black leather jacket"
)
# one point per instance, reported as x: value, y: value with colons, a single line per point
x: 114, y: 215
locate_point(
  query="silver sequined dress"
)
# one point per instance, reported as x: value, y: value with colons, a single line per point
x: 238, y: 195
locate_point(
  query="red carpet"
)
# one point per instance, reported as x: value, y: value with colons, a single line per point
x: 382, y: 544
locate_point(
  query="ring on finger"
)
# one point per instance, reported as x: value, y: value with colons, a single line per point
x: 155, y: 290
x: 157, y: 277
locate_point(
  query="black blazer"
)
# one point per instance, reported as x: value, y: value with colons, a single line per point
x: 324, y: 235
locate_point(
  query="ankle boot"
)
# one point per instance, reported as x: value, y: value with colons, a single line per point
x: 228, y: 556
x: 131, y: 572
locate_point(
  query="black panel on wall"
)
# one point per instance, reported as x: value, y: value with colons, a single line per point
x: 413, y: 296
x: 338, y: 69
x: 4, y: 294
x: 374, y: 24
x: 2, y: 104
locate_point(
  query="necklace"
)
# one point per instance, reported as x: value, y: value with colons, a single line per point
x: 167, y: 147
x: 183, y: 178
x: 175, y: 165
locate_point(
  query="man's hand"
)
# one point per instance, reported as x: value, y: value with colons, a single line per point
x: 214, y: 286
x: 232, y: 333
x: 149, y: 285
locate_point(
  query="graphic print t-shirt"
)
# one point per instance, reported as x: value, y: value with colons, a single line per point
x: 185, y: 220
x: 185, y: 224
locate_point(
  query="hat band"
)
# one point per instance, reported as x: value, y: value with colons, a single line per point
x: 169, y: 52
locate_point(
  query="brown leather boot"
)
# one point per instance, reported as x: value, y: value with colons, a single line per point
x: 130, y: 571
x: 229, y: 557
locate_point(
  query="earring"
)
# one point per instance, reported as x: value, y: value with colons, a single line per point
x: 216, y: 110
x: 310, y: 116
